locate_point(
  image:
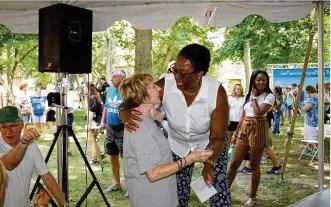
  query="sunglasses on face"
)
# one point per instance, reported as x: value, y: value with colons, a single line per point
x: 161, y: 127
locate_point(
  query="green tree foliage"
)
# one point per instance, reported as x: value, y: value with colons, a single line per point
x: 121, y: 35
x: 168, y: 42
x: 19, y: 55
x: 273, y: 43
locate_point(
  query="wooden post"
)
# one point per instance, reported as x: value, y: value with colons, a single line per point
x: 290, y: 132
x: 143, y: 51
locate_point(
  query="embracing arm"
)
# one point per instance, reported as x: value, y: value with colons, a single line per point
x: 129, y: 116
x: 53, y: 188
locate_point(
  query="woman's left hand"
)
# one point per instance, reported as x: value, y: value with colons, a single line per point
x: 208, y: 173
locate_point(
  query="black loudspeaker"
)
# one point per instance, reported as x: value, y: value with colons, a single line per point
x: 65, y: 39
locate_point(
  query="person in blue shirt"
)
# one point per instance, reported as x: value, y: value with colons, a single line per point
x: 311, y: 113
x: 115, y: 128
x: 38, y: 103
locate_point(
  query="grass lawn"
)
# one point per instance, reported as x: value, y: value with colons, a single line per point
x: 300, y: 179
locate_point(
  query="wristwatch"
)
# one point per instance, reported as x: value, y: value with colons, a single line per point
x: 254, y: 97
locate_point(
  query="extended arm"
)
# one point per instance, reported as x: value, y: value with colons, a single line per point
x: 165, y: 170
x: 53, y: 188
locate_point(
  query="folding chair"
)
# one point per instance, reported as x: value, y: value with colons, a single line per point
x: 311, y: 145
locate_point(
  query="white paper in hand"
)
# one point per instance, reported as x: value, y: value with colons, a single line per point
x: 203, y: 191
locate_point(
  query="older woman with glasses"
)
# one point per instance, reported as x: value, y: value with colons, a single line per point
x: 197, y: 112
x: 149, y: 169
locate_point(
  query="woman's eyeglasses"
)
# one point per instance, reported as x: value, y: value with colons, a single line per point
x: 161, y: 127
x: 179, y: 74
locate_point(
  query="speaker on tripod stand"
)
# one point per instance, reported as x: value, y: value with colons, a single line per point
x: 65, y: 46
x: 65, y: 39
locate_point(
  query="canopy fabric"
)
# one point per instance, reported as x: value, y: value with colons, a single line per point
x: 22, y: 17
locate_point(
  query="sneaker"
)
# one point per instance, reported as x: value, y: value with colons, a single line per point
x: 93, y: 162
x: 112, y: 189
x: 127, y: 194
x: 264, y: 160
x: 244, y: 170
x: 251, y: 202
x: 274, y: 170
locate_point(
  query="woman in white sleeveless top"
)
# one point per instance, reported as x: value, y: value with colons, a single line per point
x: 197, y: 111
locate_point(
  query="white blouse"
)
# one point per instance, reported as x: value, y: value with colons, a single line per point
x: 189, y: 127
x: 236, y: 107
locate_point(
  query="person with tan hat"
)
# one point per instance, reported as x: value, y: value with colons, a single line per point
x: 21, y: 157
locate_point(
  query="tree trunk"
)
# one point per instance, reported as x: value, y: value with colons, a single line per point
x: 108, y: 66
x: 11, y: 73
x: 167, y: 58
x: 77, y: 82
x: 71, y: 80
x: 143, y: 52
x: 247, y: 65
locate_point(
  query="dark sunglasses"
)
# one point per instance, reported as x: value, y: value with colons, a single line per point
x: 161, y: 127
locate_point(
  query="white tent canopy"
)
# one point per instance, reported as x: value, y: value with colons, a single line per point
x: 22, y: 17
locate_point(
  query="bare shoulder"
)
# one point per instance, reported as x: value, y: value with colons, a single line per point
x: 221, y: 92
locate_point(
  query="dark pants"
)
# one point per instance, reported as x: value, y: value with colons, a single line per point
x: 220, y: 199
x: 276, y: 123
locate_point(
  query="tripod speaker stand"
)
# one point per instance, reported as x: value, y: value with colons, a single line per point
x: 65, y: 130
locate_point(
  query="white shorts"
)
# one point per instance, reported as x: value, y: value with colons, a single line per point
x: 39, y: 119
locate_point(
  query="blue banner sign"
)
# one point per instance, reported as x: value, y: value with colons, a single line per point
x: 285, y: 77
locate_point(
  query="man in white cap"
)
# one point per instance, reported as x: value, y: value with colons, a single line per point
x: 115, y: 128
x: 22, y: 157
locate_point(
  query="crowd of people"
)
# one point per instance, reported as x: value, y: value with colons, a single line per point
x: 160, y: 128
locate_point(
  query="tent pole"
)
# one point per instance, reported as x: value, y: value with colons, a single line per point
x: 320, y: 23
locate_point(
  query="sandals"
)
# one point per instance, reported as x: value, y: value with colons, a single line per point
x: 251, y: 202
